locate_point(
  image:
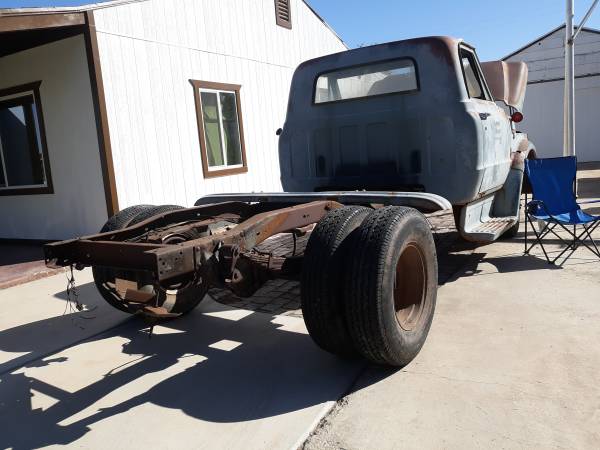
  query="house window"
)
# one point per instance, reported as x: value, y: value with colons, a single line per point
x: 283, y: 14
x: 24, y: 165
x: 220, y: 128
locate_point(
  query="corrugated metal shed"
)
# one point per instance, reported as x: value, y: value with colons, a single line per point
x: 545, y: 92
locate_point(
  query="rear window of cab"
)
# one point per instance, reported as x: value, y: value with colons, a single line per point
x: 369, y: 80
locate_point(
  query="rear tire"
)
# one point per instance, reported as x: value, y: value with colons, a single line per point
x: 323, y: 276
x: 153, y: 211
x: 391, y: 286
x: 180, y: 299
x: 122, y: 219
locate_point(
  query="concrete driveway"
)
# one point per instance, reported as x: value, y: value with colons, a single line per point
x: 512, y: 361
x: 218, y: 378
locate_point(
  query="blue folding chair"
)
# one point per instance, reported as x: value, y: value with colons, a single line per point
x: 554, y: 203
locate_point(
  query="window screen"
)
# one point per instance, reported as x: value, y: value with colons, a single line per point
x: 367, y: 81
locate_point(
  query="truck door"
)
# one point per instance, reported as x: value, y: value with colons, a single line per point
x: 494, y: 156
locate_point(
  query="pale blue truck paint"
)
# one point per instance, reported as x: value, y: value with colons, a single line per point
x: 435, y: 139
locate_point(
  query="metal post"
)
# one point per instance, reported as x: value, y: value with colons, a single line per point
x: 569, y: 106
x: 585, y: 19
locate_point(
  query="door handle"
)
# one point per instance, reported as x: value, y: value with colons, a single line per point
x: 484, y: 116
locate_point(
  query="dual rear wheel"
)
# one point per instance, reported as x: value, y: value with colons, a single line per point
x: 368, y: 288
x: 369, y: 283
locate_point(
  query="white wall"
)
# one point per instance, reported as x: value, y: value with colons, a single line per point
x: 543, y: 109
x: 77, y: 206
x: 150, y: 50
x: 543, y: 112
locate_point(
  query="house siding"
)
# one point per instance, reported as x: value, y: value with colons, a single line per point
x: 150, y: 50
x: 543, y: 109
x: 77, y: 205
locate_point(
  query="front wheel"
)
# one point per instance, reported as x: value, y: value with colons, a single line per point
x: 391, y: 286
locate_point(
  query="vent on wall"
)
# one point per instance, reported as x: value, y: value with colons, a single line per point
x: 283, y: 14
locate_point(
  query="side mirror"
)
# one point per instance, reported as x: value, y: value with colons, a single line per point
x: 516, y: 117
x: 279, y: 131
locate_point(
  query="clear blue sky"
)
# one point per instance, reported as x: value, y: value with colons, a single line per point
x: 496, y: 28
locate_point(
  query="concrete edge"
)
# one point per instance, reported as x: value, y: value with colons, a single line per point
x: 31, y: 277
x: 327, y: 408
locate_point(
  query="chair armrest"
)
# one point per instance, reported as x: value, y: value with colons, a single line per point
x: 539, y: 204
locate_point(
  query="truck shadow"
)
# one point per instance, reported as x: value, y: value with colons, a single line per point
x: 458, y: 258
x: 209, y: 366
x: 37, y: 339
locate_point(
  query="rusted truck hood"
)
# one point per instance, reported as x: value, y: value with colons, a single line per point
x: 507, y: 81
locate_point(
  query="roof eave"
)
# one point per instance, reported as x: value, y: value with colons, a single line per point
x: 544, y: 36
x: 44, y: 10
x: 40, y: 21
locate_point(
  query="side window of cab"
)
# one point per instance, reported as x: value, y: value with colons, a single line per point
x: 473, y: 77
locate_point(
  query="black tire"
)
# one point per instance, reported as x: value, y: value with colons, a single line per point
x: 153, y: 211
x: 123, y: 218
x: 188, y: 296
x: 391, y: 286
x: 322, y: 277
x: 103, y: 275
x: 512, y: 232
x: 456, y: 212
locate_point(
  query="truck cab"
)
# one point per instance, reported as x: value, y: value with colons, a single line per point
x: 414, y: 115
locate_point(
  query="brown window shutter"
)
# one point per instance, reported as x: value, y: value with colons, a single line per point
x: 283, y: 13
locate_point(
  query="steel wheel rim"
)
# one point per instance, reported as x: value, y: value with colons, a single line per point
x: 410, y: 287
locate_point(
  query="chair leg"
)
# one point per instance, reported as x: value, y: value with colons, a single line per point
x: 538, y: 239
x: 526, y: 197
x: 548, y: 228
x: 588, y: 231
x: 577, y: 240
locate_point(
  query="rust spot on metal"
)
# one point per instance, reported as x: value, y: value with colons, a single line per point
x: 442, y: 47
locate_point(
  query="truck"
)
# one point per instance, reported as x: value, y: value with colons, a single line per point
x: 374, y: 138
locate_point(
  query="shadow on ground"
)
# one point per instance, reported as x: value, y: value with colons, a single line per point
x: 40, y: 338
x: 458, y: 258
x: 272, y: 370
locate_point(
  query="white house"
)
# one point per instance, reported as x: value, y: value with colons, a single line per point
x: 543, y: 110
x: 143, y: 101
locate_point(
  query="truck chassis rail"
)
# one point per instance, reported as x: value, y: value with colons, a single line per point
x: 167, y: 261
x: 163, y: 266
